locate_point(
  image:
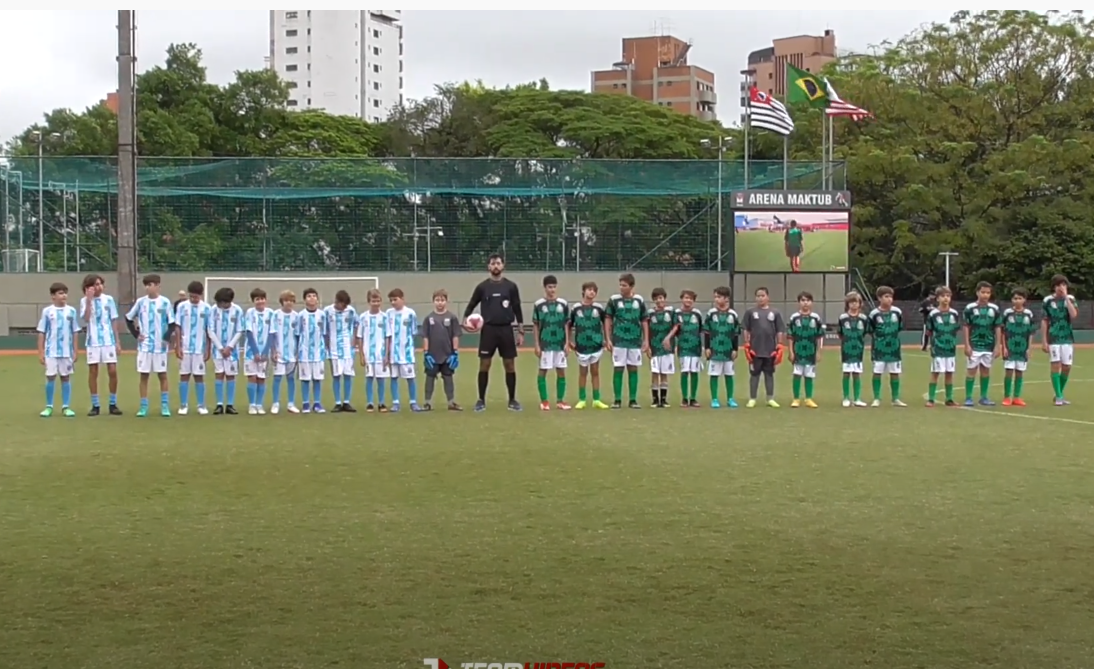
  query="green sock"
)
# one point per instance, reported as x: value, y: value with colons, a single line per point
x: 932, y: 389
x: 694, y: 386
x: 808, y: 388
x: 1018, y: 386
x: 596, y: 394
x: 796, y: 384
x: 856, y: 383
x: 560, y: 387
x: 894, y: 386
x: 949, y: 392
x: 1063, y: 382
x: 985, y: 383
x: 877, y: 386
x: 632, y: 384
x: 581, y: 393
x: 684, y: 386
x: 1007, y: 383
x: 714, y: 388
x: 541, y: 383
x: 617, y: 383
x: 969, y: 383
x: 846, y: 386
x: 729, y: 387
x: 1056, y: 384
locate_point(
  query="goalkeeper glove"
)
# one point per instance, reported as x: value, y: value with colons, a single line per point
x: 780, y: 350
x: 430, y: 361
x: 453, y: 361
x: 749, y: 355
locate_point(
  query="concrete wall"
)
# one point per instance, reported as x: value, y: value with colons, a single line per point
x: 22, y: 296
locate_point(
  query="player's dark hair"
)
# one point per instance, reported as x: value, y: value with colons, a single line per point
x: 258, y: 293
x: 659, y: 292
x: 311, y: 291
x: 1059, y: 280
x: 982, y: 285
x: 495, y: 256
x: 151, y: 279
x: 762, y: 289
x: 550, y: 280
x: 394, y: 292
x: 805, y: 295
x: 224, y: 295
x: 195, y: 288
x: 882, y: 291
x: 722, y: 291
x: 627, y: 278
x: 374, y: 293
x: 440, y: 292
x: 90, y: 280
x: 793, y: 223
x: 58, y: 288
x: 688, y: 293
x: 589, y: 285
x: 342, y: 297
x: 1020, y: 292
x: 942, y: 290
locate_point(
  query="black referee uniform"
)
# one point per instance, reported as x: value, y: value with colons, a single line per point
x: 500, y: 308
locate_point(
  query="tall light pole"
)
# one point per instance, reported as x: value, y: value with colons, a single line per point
x: 41, y: 139
x: 948, y: 255
x: 723, y: 144
x: 6, y: 174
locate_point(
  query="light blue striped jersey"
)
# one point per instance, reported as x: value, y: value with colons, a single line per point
x: 372, y: 331
x: 312, y: 335
x: 284, y: 325
x: 226, y: 329
x: 152, y: 315
x: 193, y: 321
x: 343, y: 330
x: 100, y: 325
x: 259, y: 326
x: 402, y: 326
x: 59, y: 325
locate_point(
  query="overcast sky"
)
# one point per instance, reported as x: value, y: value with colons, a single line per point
x: 55, y: 59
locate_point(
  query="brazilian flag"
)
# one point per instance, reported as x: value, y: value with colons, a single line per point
x: 803, y: 87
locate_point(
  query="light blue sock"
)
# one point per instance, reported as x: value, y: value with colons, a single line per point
x: 395, y: 391
x: 337, y: 383
x: 305, y: 391
x: 277, y: 389
x: 347, y: 388
x: 219, y: 386
x: 412, y: 390
x: 113, y: 399
x: 317, y: 391
x: 51, y: 389
x: 381, y: 389
x: 199, y: 390
x: 252, y: 393
x: 165, y: 398
x: 144, y: 402
x: 370, y: 389
x: 260, y: 399
x: 230, y: 391
x: 95, y: 401
x: 291, y: 381
x: 66, y: 393
x: 184, y: 393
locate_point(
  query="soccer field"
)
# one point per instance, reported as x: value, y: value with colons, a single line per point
x: 762, y: 251
x: 892, y: 538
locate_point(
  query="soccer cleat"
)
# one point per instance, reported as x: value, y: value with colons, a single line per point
x: 142, y: 412
x: 580, y: 404
x: 597, y: 404
x: 860, y: 404
x: 219, y: 411
x: 544, y: 406
x: 810, y: 404
x: 951, y: 403
x: 1059, y: 401
x: 751, y: 404
x: 985, y: 402
x: 202, y: 411
x: 346, y: 408
x: 515, y: 406
x: 694, y: 404
x: 875, y: 404
x: 1018, y: 402
x: 382, y: 408
x: 969, y: 402
x: 318, y: 408
x: 633, y: 405
x: 369, y: 408
x: 1006, y: 402
x: 414, y: 408
x: 773, y: 404
x: 275, y: 408
x: 929, y: 404
x: 183, y: 410
x: 715, y: 404
x: 67, y: 412
x: 452, y: 406
x: 231, y: 410
x: 261, y: 410
x: 427, y: 407
x: 114, y: 410
x: 292, y: 409
x: 685, y: 404
x: 899, y: 403
x: 617, y: 404
x: 306, y: 408
x: 47, y: 412
x: 165, y: 411
x: 795, y: 404
x: 732, y: 404
x: 252, y: 410
x: 395, y: 408
x: 337, y: 409
x: 846, y: 403
x: 93, y: 412
x: 480, y: 406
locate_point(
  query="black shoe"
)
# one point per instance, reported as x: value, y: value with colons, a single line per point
x: 427, y: 407
x: 617, y: 404
x: 369, y: 408
x: 231, y: 410
x: 656, y: 399
x: 480, y: 406
x: 662, y: 403
x: 515, y: 406
x: 694, y: 404
x: 94, y: 411
x: 633, y: 405
x: 382, y: 408
x: 337, y: 409
x: 951, y: 403
x: 114, y: 410
x: 219, y: 411
x: 347, y: 408
x: 452, y: 406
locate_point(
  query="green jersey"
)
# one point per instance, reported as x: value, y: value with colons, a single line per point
x: 852, y: 337
x: 1059, y: 320
x: 983, y: 322
x: 723, y: 329
x: 551, y: 317
x: 793, y: 239
x: 806, y: 332
x: 689, y: 338
x: 885, y: 327
x: 1018, y: 327
x: 662, y: 321
x: 943, y: 326
x: 628, y: 316
x: 587, y: 325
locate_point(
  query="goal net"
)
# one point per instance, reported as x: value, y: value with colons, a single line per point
x: 326, y: 286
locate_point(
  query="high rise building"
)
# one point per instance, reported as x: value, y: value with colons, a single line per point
x: 347, y: 62
x: 656, y: 69
x: 767, y: 67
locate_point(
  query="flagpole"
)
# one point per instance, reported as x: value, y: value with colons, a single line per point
x: 831, y: 151
x: 824, y: 150
x: 786, y: 162
x: 748, y: 122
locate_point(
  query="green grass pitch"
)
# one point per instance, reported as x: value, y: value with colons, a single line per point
x: 893, y: 538
x: 761, y: 251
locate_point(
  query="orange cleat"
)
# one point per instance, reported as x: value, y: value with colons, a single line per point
x: 562, y: 406
x: 1006, y: 402
x: 1018, y: 402
x: 544, y: 406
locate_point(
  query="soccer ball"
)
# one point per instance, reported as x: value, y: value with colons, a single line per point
x: 473, y: 323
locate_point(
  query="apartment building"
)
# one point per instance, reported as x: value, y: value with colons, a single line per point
x: 767, y: 67
x: 656, y: 69
x: 346, y: 62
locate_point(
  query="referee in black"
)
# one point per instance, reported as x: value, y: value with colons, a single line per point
x: 502, y: 330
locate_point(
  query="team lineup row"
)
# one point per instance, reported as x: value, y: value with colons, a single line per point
x: 295, y: 345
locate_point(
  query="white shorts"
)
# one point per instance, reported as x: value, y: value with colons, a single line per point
x: 980, y: 359
x: 402, y: 371
x: 1062, y: 353
x: 311, y: 371
x: 808, y: 371
x: 552, y: 360
x: 626, y: 357
x: 342, y: 367
x: 586, y: 359
x: 282, y: 368
x: 378, y: 370
x: 852, y: 368
x: 151, y: 363
x: 690, y: 364
x: 663, y: 364
x: 225, y: 366
x: 1016, y: 365
x: 59, y: 366
x: 886, y: 368
x: 106, y: 355
x: 721, y: 368
x: 192, y: 363
x: 255, y: 369
x: 943, y: 365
